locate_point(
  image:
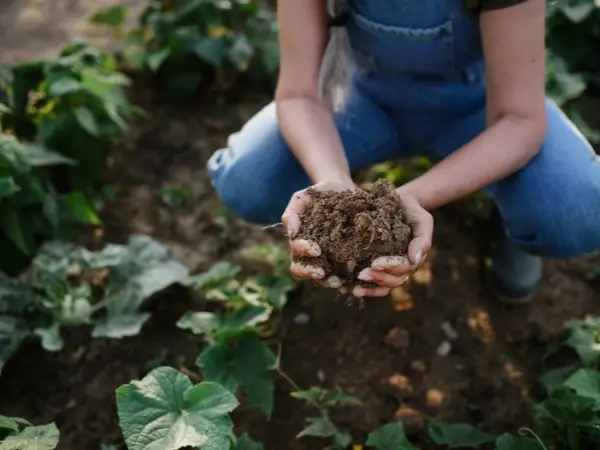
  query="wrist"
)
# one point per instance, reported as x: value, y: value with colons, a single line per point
x: 413, y: 190
x: 341, y: 179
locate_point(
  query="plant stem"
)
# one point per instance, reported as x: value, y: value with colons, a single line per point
x: 524, y: 431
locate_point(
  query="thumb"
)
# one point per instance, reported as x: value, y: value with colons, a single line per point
x: 295, y: 208
x: 421, y: 223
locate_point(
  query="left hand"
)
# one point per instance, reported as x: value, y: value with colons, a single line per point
x: 392, y: 271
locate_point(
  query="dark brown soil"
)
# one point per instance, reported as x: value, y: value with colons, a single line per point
x: 353, y: 228
x: 387, y: 353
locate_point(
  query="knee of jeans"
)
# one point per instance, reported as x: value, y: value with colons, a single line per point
x: 568, y: 231
x: 240, y: 188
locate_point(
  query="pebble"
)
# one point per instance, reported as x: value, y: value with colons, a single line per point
x: 444, y: 348
x: 398, y: 338
x: 302, y: 319
x: 449, y: 330
x: 418, y: 366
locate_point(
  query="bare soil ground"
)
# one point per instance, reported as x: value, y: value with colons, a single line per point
x: 36, y: 29
x: 385, y: 352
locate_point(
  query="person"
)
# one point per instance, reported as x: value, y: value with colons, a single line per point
x: 460, y: 81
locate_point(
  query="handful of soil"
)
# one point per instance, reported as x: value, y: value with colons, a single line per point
x: 353, y: 228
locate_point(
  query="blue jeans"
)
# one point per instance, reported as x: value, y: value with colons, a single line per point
x: 429, y: 104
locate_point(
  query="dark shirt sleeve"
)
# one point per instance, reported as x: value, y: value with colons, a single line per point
x: 477, y: 6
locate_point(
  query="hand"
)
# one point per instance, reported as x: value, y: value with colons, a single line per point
x: 392, y: 271
x: 302, y: 247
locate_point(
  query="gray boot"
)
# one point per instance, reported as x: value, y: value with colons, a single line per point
x: 515, y: 274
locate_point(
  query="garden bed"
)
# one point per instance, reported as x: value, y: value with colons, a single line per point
x: 441, y: 347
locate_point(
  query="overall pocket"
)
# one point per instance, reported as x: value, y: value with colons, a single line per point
x: 394, y: 50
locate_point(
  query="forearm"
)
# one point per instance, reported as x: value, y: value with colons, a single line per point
x: 309, y: 130
x: 501, y: 150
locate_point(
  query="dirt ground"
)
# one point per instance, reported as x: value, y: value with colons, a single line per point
x: 387, y: 352
x: 36, y: 29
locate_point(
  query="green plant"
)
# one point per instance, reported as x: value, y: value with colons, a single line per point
x: 30, y: 208
x: 322, y: 426
x: 194, y: 42
x: 166, y: 411
x: 70, y: 286
x: 573, y: 69
x: 75, y: 105
x: 389, y: 437
x: 17, y: 433
x: 59, y: 121
x: 235, y: 356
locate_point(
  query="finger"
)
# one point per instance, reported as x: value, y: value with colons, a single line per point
x: 382, y: 278
x: 295, y: 208
x: 303, y: 247
x: 331, y: 282
x: 422, y: 228
x: 379, y: 291
x: 307, y: 272
x: 394, y: 265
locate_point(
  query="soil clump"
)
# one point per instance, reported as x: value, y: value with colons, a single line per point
x: 353, y: 228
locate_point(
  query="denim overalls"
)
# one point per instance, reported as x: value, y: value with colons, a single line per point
x: 419, y: 89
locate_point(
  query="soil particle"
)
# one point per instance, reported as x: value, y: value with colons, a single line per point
x: 353, y: 228
x: 398, y: 338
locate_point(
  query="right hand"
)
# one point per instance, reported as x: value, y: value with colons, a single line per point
x: 302, y: 247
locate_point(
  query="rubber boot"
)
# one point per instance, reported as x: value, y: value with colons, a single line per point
x: 515, y: 274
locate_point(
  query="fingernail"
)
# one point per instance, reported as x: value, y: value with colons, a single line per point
x: 418, y: 257
x: 365, y: 275
x: 317, y: 274
x: 380, y: 268
x: 313, y: 252
x: 404, y: 279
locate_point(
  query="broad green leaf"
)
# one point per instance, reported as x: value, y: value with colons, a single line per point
x: 586, y: 383
x: 161, y: 276
x: 211, y: 51
x: 112, y: 17
x: 120, y: 326
x: 101, y: 85
x: 7, y: 187
x: 14, y: 228
x: 86, y: 119
x: 562, y: 405
x: 325, y: 398
x: 390, y: 437
x: 44, y: 437
x: 38, y: 156
x: 13, y: 332
x: 80, y: 209
x: 460, y: 435
x: 584, y: 337
x: 12, y: 423
x: 202, y: 323
x: 218, y: 274
x: 164, y: 411
x: 246, y: 362
x: 323, y: 427
x: 241, y: 52
x: 16, y: 297
x: 579, y: 12
x: 245, y: 442
x: 156, y: 59
x: 554, y: 378
x: 51, y: 339
x: 510, y: 442
x: 224, y: 326
x: 64, y: 85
